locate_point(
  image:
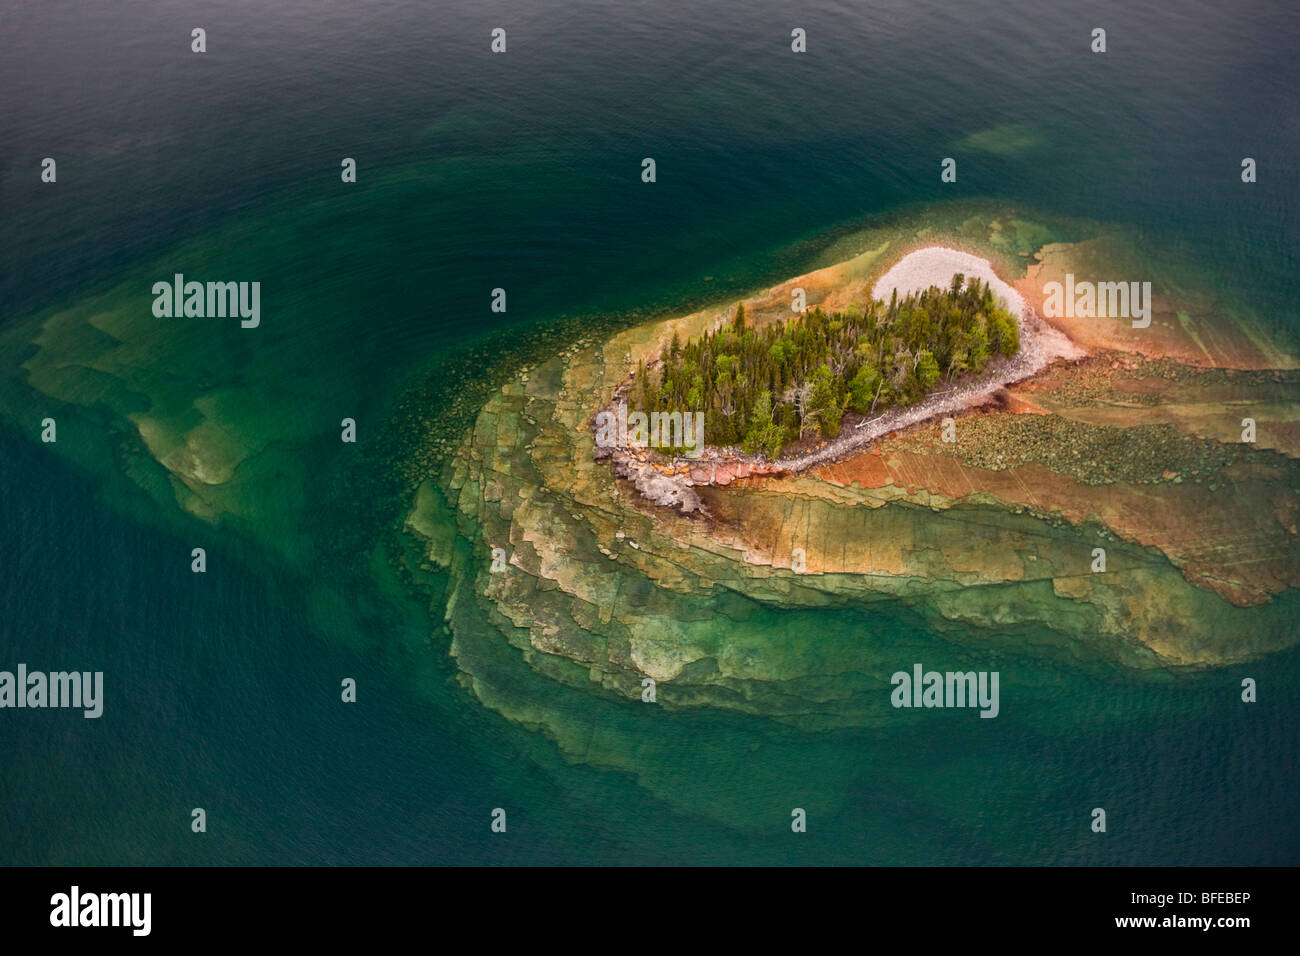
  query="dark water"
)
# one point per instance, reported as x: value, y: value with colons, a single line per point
x: 522, y: 171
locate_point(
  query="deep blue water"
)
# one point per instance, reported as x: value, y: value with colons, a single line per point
x: 478, y: 171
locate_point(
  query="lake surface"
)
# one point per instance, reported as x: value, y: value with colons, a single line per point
x: 522, y: 171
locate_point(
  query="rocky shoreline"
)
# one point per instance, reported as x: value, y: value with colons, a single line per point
x: 671, y: 482
x: 793, y: 597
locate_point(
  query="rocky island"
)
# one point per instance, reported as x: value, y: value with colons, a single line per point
x: 791, y: 394
x: 1098, y: 510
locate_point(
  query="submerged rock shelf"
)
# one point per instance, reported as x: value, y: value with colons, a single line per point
x: 600, y: 589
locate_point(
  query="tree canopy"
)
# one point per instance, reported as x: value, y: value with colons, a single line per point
x: 765, y: 388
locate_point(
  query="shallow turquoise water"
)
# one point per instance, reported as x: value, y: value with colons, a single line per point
x: 523, y: 171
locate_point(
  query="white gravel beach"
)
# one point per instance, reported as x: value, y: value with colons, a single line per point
x: 1040, y: 345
